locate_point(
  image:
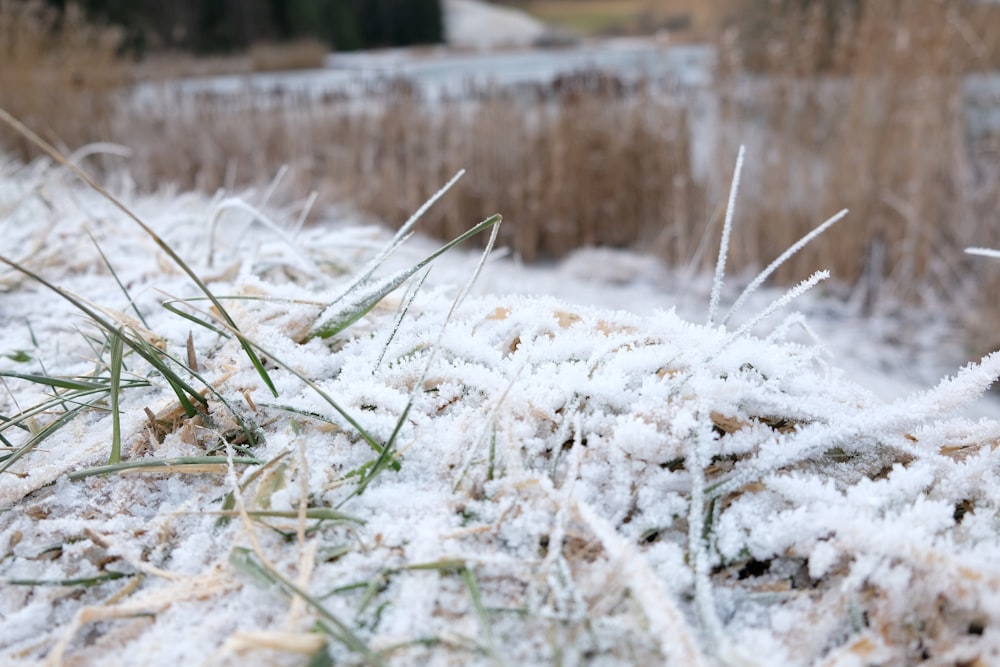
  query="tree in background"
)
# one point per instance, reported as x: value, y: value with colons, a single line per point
x: 212, y: 26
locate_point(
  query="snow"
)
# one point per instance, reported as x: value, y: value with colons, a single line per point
x: 586, y: 472
x: 478, y: 25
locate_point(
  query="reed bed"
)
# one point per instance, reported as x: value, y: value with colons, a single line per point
x: 578, y: 166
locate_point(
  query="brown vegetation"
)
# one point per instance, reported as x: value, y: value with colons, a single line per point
x: 866, y: 109
x: 568, y: 167
x: 56, y: 74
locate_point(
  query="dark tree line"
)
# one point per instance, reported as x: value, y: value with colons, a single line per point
x: 212, y: 26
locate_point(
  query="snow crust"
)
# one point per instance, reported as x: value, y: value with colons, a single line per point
x: 576, y: 485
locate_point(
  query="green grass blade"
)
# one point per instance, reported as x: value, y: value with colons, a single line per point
x: 22, y: 419
x: 141, y: 346
x: 374, y: 444
x: 59, y: 382
x: 385, y: 456
x: 350, y: 314
x: 169, y: 305
x: 114, y: 274
x: 446, y: 565
x: 155, y: 356
x: 317, y: 513
x: 484, y: 618
x: 116, y: 380
x: 252, y: 434
x: 157, y: 465
x: 42, y: 434
x: 86, y: 582
x: 243, y: 560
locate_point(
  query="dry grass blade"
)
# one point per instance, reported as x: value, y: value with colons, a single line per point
x: 116, y: 380
x: 184, y: 464
x: 118, y: 281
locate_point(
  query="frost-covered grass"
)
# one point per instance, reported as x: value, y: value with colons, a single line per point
x: 452, y: 477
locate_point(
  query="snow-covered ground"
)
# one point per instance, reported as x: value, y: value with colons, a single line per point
x: 560, y: 465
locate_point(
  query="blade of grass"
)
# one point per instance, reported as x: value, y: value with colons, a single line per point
x: 86, y: 582
x: 385, y: 457
x: 484, y: 619
x: 252, y: 434
x: 114, y: 274
x: 318, y: 513
x: 171, y: 305
x: 773, y: 266
x: 403, y: 309
x: 401, y: 235
x: 191, y: 463
x: 322, y: 394
x: 24, y: 131
x: 116, y: 378
x: 141, y: 346
x: 727, y: 227
x: 348, y: 315
x: 98, y: 384
x: 243, y: 560
x: 21, y: 420
x: 257, y: 216
x: 41, y: 435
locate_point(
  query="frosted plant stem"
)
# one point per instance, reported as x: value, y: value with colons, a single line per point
x: 666, y: 621
x: 727, y: 227
x: 698, y: 550
x: 398, y: 239
x: 273, y: 187
x: 763, y: 275
x: 258, y: 216
x: 778, y: 304
x: 984, y: 252
x: 306, y: 209
x: 479, y: 268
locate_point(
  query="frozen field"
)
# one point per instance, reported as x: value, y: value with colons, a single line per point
x: 548, y: 465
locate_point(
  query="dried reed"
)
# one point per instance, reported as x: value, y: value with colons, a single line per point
x: 577, y: 166
x: 57, y: 74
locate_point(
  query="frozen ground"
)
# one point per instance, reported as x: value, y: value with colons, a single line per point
x: 587, y: 473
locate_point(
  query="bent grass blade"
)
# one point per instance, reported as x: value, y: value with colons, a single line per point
x: 243, y: 560
x: 186, y: 464
x: 344, y: 317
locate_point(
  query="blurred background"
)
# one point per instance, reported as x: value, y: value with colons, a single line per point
x: 584, y: 122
